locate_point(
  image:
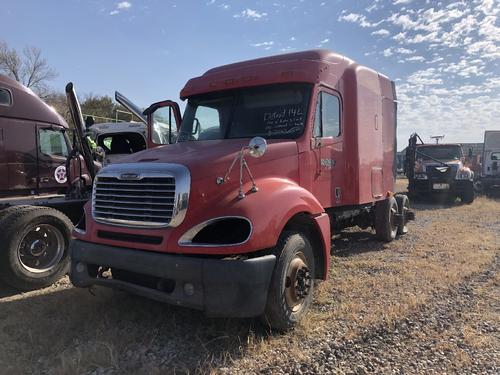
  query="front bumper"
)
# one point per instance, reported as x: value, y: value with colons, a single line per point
x: 221, y: 287
x: 427, y: 186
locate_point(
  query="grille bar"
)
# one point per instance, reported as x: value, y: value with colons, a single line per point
x: 139, y: 209
x: 141, y: 203
x: 111, y: 195
x: 128, y: 183
x: 99, y: 188
x: 107, y: 213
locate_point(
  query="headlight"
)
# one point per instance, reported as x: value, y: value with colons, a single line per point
x: 420, y: 176
x: 464, y: 174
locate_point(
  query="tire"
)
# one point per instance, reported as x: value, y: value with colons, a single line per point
x: 403, y: 206
x: 295, y: 266
x: 385, y: 226
x: 35, y: 247
x: 468, y: 195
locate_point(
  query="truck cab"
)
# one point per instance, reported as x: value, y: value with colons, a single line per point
x: 235, y: 218
x: 116, y: 140
x: 34, y: 144
x: 439, y: 170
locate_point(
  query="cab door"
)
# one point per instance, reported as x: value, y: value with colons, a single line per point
x: 164, y: 119
x: 327, y: 147
x: 53, y: 149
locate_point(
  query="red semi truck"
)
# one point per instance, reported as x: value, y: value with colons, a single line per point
x: 235, y: 219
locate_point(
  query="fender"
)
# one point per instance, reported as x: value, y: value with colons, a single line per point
x: 269, y: 210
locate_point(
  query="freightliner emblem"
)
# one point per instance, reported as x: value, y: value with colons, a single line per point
x: 130, y: 176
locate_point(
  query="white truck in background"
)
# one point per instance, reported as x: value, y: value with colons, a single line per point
x: 490, y: 176
x: 115, y: 140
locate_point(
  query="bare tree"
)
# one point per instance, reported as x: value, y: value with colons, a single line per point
x: 31, y: 69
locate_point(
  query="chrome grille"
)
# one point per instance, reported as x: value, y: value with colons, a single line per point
x: 148, y: 201
x: 150, y: 198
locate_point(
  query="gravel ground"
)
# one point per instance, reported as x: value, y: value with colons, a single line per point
x: 425, y: 303
x: 413, y: 344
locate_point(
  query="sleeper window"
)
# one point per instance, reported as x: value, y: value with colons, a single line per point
x: 5, y: 97
x: 327, y: 119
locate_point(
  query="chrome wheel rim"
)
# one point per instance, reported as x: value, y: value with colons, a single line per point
x: 41, y: 248
x: 297, y: 282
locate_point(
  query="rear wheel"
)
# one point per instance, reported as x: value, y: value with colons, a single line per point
x: 385, y: 219
x: 35, y: 247
x: 403, y: 206
x: 291, y: 289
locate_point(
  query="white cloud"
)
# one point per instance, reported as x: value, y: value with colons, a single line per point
x: 415, y: 58
x: 263, y: 44
x: 251, y: 14
x: 404, y: 51
x: 359, y: 19
x: 123, y: 5
x: 326, y: 40
x: 381, y: 32
x: 403, y: 2
x: 387, y: 52
x: 399, y: 37
x: 420, y: 38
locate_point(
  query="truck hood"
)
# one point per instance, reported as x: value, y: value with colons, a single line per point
x: 211, y: 158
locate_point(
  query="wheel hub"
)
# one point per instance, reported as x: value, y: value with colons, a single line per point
x: 38, y: 247
x: 297, y: 282
x: 41, y: 248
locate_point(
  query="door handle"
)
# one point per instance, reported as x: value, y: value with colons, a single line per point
x: 45, y: 179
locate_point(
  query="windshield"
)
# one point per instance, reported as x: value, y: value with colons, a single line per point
x: 453, y: 152
x: 277, y: 111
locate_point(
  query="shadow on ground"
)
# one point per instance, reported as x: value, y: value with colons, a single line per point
x: 7, y: 291
x: 350, y: 243
x: 73, y: 331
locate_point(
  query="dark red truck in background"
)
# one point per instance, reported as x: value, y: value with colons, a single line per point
x: 35, y: 213
x: 235, y: 219
x: 45, y: 180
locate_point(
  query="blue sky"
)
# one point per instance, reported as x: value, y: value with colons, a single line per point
x: 443, y: 55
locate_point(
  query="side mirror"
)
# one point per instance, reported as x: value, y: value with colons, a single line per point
x: 257, y: 147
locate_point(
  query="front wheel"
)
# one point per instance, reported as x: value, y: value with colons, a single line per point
x: 292, y: 284
x: 467, y: 196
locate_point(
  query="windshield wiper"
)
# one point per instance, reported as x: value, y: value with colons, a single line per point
x: 434, y: 159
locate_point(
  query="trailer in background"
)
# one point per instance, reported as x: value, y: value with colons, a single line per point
x: 490, y: 177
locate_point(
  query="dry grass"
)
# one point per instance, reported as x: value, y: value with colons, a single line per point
x: 62, y: 330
